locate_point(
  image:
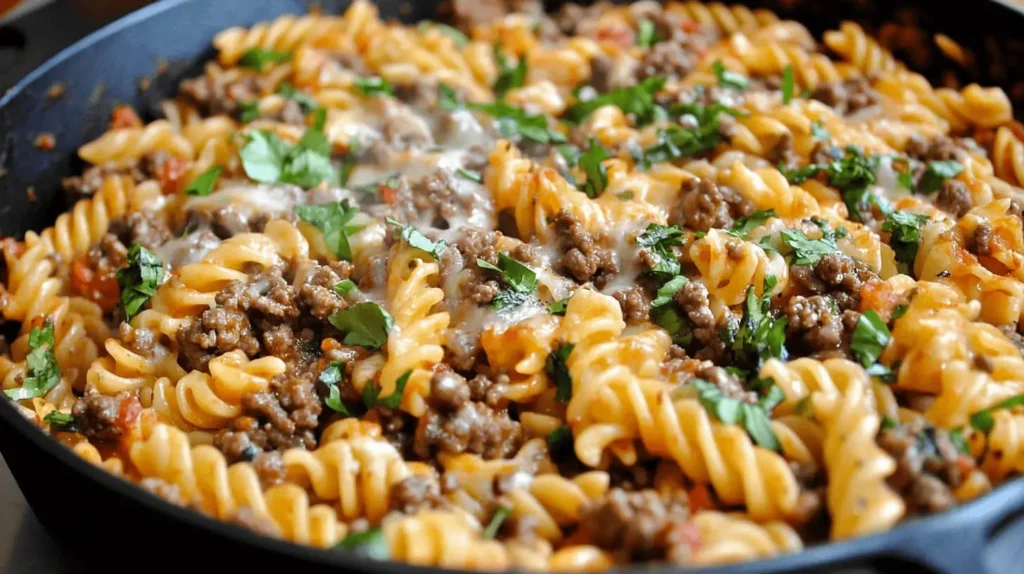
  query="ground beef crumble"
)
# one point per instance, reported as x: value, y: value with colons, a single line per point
x: 416, y: 493
x: 634, y: 524
x: 836, y: 275
x: 847, y: 97
x: 704, y: 205
x: 587, y: 257
x: 813, y: 324
x: 928, y: 466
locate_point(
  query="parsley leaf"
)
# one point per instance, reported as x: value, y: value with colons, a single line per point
x: 502, y: 513
x: 937, y: 173
x: 267, y: 159
x: 787, y: 84
x: 516, y: 124
x: 755, y: 419
x: 799, y: 175
x: 415, y: 239
x: 729, y: 79
x: 744, y: 225
x: 906, y: 180
x: 904, y: 236
x: 203, y: 184
x: 374, y: 86
x: 983, y: 419
x: 369, y: 543
x: 333, y: 374
x: 808, y: 251
x: 509, y: 76
x: 646, y: 34
x: 258, y: 58
x: 469, y: 174
x: 64, y: 422
x: 759, y: 336
x: 851, y: 175
x: 668, y: 291
x: 678, y: 326
x: 139, y: 281
x: 557, y: 369
x: 956, y: 436
x: 597, y: 173
x: 888, y: 423
x: 676, y: 141
x: 249, y: 111
x: 520, y: 279
x: 869, y: 338
x: 394, y: 400
x: 305, y: 101
x: 559, y: 439
x: 43, y: 372
x: 899, y: 311
x: 637, y: 100
x: 819, y: 132
x: 344, y: 287
x: 333, y: 220
x: 659, y: 240
x: 365, y: 324
x: 458, y: 37
x: 558, y: 307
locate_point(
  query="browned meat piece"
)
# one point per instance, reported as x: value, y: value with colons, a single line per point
x: 146, y: 228
x: 812, y: 325
x: 98, y: 416
x: 634, y: 524
x: 703, y: 205
x: 217, y: 331
x: 847, y: 97
x: 587, y: 257
x: 954, y: 198
x: 91, y: 180
x: 416, y: 493
x: 836, y: 275
x: 928, y: 465
x: 634, y: 304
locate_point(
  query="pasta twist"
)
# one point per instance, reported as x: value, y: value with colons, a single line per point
x: 358, y: 474
x: 74, y: 232
x: 859, y: 500
x: 123, y: 147
x: 283, y: 34
x: 726, y: 19
x: 521, y: 351
x: 553, y: 501
x: 803, y: 377
x: 852, y: 44
x: 767, y: 188
x: 1008, y: 156
x: 210, y: 401
x: 443, y: 539
x: 1005, y: 446
x: 729, y: 266
x: 610, y: 404
x: 725, y: 539
x: 205, y: 479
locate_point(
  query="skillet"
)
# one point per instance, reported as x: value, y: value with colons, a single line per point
x: 111, y: 525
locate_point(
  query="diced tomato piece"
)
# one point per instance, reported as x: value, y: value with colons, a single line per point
x: 700, y: 499
x: 127, y: 413
x: 878, y: 295
x: 620, y: 36
x: 690, y: 26
x: 170, y: 173
x: 388, y: 195
x: 124, y: 117
x: 102, y: 287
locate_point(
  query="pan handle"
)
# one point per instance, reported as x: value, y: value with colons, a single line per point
x: 959, y: 542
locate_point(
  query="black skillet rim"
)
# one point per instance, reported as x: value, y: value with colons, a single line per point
x: 983, y: 513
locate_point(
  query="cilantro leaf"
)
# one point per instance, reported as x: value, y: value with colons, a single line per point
x: 755, y: 419
x: 305, y: 101
x: 906, y: 180
x: 458, y: 37
x: 744, y: 225
x: 787, y: 84
x: 333, y: 220
x: 417, y: 240
x: 899, y: 311
x: 502, y: 513
x: 557, y: 369
x: 558, y: 307
x: 659, y: 240
x: 904, y: 236
x: 807, y: 251
x: 509, y: 76
x: 637, y: 100
x: 369, y: 543
x: 374, y: 86
x: 597, y: 173
x: 258, y: 58
x: 267, y: 159
x: 869, y: 338
x: 646, y: 34
x: 139, y: 281
x: 668, y: 291
x: 394, y: 400
x: 678, y: 326
x: 64, y: 422
x: 520, y: 279
x: 729, y: 79
x: 799, y: 175
x: 570, y: 152
x: 42, y: 371
x: 203, y: 184
x: 331, y: 376
x: 365, y: 324
x: 344, y: 287
x: 984, y: 421
x: 676, y: 141
x: 759, y: 336
x: 937, y: 173
x: 516, y: 124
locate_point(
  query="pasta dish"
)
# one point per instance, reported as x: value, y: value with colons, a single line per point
x: 647, y: 283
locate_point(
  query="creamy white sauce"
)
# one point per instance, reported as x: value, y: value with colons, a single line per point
x: 188, y: 249
x: 627, y: 255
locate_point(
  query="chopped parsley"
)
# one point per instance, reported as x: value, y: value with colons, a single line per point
x: 372, y: 390
x: 258, y: 58
x: 374, y: 87
x: 64, y: 422
x: 516, y: 124
x: 469, y: 174
x: 557, y: 369
x: 305, y: 101
x: 899, y: 311
x: 729, y: 79
x: 754, y: 418
x: 676, y: 141
x: 334, y: 220
x: 558, y: 307
x: 306, y: 164
x: 637, y: 100
x: 659, y: 240
x: 458, y: 37
x: 592, y: 163
x: 807, y: 251
x: 869, y: 338
x: 852, y: 175
x: 787, y: 84
x: 906, y: 180
x: 646, y: 34
x: 364, y: 324
x: 502, y: 513
x: 984, y: 420
x: 43, y: 372
x: 249, y: 111
x: 819, y: 132
x: 559, y: 439
x: 744, y: 225
x: 759, y: 335
x: 889, y: 423
x: 139, y: 280
x: 956, y: 436
x: 331, y: 376
x: 904, y: 236
x: 344, y: 287
x: 203, y: 184
x: 519, y: 279
x: 937, y: 173
x: 368, y: 543
x: 668, y: 291
x: 509, y: 76
x: 416, y: 239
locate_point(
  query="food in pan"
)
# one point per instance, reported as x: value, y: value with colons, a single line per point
x: 620, y: 284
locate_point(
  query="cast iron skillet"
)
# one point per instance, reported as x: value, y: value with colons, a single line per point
x: 108, y: 523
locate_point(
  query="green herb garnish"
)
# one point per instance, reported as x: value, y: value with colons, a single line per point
x: 139, y: 281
